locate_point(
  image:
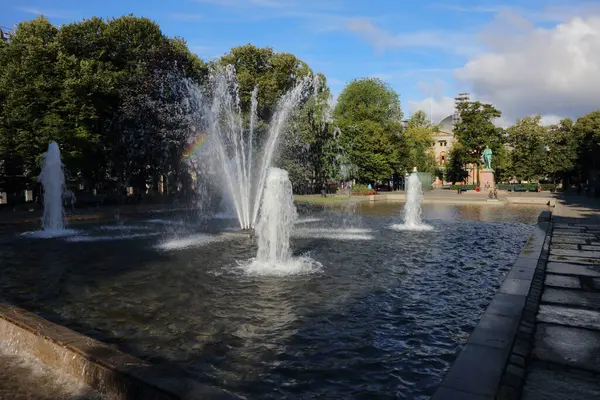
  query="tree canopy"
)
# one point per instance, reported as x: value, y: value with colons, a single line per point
x: 368, y: 113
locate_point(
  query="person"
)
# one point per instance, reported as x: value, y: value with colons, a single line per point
x: 369, y: 187
x: 539, y: 187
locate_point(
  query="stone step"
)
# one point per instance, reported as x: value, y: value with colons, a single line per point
x: 574, y: 260
x: 562, y: 281
x: 570, y: 316
x: 576, y: 298
x: 575, y: 253
x: 572, y: 269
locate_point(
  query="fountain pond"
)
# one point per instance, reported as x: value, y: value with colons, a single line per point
x: 383, y: 316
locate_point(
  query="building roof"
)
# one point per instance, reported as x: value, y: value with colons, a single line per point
x: 446, y: 125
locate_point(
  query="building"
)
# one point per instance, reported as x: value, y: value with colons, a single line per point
x: 5, y: 34
x: 444, y: 138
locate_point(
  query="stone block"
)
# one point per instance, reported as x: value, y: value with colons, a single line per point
x: 521, y: 273
x: 523, y: 262
x: 545, y: 216
x: 568, y: 240
x: 578, y: 298
x: 521, y: 348
x: 494, y: 330
x: 513, y: 376
x: 575, y: 260
x: 570, y: 282
x: 508, y: 392
x: 509, y: 305
x: 477, y: 370
x: 575, y: 253
x: 575, y: 317
x: 515, y: 286
x: 517, y: 360
x: 572, y: 269
x: 568, y: 346
x: 546, y: 384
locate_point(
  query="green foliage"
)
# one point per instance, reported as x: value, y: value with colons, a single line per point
x: 587, y: 130
x: 418, y: 144
x: 564, y: 143
x: 455, y: 166
x: 96, y: 87
x: 527, y: 187
x: 368, y: 113
x: 309, y: 149
x: 476, y: 129
x: 463, y: 187
x: 527, y: 139
x: 362, y: 190
x: 273, y: 73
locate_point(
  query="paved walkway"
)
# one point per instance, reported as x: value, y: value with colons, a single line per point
x: 565, y: 358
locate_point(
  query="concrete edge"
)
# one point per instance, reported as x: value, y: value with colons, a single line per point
x: 102, y: 367
x: 489, y: 359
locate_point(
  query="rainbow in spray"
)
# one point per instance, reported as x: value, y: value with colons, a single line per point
x: 193, y: 148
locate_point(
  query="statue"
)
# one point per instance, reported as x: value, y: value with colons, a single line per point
x: 486, y: 157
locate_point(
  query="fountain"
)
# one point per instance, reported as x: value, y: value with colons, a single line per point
x: 53, y: 182
x: 277, y: 217
x: 233, y: 148
x: 412, y: 207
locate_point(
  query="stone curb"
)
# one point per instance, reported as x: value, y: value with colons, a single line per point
x: 107, y: 370
x: 493, y: 359
x: 513, y: 378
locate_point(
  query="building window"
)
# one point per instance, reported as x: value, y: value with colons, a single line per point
x: 443, y: 143
x: 442, y: 158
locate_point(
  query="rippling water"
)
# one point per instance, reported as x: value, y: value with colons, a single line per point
x: 384, y: 317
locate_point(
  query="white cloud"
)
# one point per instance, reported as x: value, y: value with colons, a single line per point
x: 520, y: 66
x: 436, y: 107
x: 382, y: 40
x: 550, y: 120
x: 528, y: 70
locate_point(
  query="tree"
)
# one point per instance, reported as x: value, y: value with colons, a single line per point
x: 455, y: 166
x: 30, y: 88
x: 273, y: 73
x: 418, y: 143
x: 476, y: 130
x: 587, y: 129
x: 368, y: 113
x: 105, y: 90
x: 309, y: 151
x: 527, y: 138
x: 564, y: 143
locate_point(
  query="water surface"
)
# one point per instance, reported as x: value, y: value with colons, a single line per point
x: 384, y: 318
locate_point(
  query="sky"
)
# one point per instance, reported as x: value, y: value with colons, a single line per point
x: 526, y: 57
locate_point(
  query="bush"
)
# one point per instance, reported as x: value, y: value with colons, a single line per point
x: 362, y: 190
x: 550, y: 187
x: 528, y: 187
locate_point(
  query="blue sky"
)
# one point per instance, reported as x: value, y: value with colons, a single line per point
x: 420, y: 48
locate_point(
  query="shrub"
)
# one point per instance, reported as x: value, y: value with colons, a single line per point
x: 360, y: 190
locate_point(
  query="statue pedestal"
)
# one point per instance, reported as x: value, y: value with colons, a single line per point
x: 486, y: 178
